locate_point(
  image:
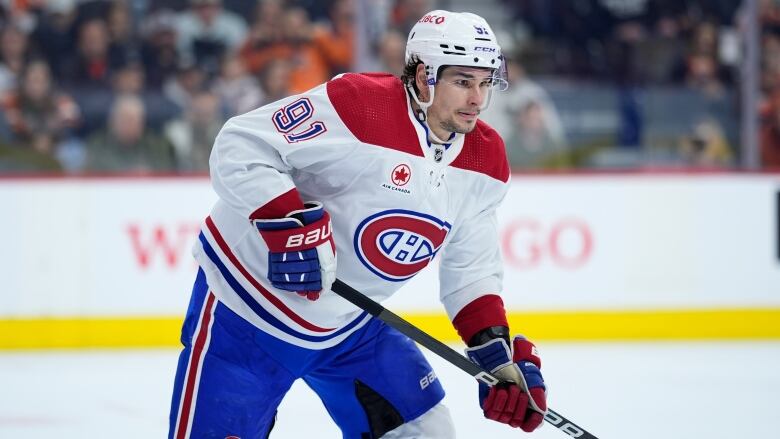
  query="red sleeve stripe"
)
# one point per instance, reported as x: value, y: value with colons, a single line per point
x: 279, y: 206
x: 482, y: 313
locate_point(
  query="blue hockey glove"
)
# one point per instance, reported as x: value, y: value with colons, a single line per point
x: 509, y: 402
x: 301, y: 251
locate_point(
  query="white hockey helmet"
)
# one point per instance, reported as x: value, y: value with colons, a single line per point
x: 442, y: 38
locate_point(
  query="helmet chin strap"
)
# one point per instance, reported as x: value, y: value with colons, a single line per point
x: 422, y: 113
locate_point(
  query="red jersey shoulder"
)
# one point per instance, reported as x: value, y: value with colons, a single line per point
x: 373, y: 107
x: 484, y: 152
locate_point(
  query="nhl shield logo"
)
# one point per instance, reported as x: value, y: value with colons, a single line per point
x: 438, y: 154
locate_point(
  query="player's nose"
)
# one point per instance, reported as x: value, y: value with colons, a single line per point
x: 476, y: 96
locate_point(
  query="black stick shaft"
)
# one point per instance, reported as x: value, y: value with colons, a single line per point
x: 442, y: 350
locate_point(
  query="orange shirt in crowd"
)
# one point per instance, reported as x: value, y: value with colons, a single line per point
x: 312, y: 63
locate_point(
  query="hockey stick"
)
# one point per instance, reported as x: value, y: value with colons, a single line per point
x: 442, y: 350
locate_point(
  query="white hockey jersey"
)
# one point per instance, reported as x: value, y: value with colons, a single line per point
x: 395, y: 201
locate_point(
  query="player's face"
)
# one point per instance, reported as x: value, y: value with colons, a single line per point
x: 459, y: 96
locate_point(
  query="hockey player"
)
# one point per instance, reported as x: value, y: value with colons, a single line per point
x: 386, y: 174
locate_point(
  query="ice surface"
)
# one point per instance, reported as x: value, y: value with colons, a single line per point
x: 615, y: 390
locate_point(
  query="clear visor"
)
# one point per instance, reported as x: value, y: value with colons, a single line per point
x: 499, y: 80
x: 501, y: 76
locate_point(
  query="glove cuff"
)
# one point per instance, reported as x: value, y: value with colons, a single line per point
x: 312, y: 212
x: 492, y: 355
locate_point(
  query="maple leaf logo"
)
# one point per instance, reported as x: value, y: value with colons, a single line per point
x: 401, y: 175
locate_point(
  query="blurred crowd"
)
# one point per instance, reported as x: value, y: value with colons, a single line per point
x: 137, y: 86
x: 660, y: 78
x: 144, y: 86
x: 769, y: 134
x: 674, y: 71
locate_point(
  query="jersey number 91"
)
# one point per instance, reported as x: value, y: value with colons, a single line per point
x: 292, y: 116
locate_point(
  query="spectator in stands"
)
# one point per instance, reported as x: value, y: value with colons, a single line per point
x: 54, y: 34
x: 391, y: 52
x: 238, y: 91
x: 274, y: 82
x: 124, y: 45
x: 706, y: 146
x: 40, y: 117
x: 206, y: 32
x: 705, y: 39
x: 13, y: 56
x: 126, y: 145
x: 336, y: 40
x: 314, y: 54
x: 267, y: 21
x: 405, y: 13
x: 309, y: 66
x: 769, y: 136
x: 770, y: 62
x: 532, y: 144
x: 158, y: 50
x: 265, y: 41
x: 194, y: 134
x: 702, y: 75
x: 769, y: 14
x: 90, y: 69
x: 701, y: 68
x: 526, y: 116
x: 130, y: 79
x: 37, y: 114
x: 188, y: 80
x: 506, y: 108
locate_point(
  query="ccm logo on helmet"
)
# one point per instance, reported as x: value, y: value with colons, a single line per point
x: 396, y: 244
x: 432, y: 19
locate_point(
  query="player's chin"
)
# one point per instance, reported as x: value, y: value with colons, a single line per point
x: 463, y: 127
x: 467, y: 127
x: 459, y: 126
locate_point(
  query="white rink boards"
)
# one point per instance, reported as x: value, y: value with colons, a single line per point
x: 625, y: 253
x: 568, y: 242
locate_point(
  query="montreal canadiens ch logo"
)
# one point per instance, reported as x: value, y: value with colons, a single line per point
x: 396, y: 244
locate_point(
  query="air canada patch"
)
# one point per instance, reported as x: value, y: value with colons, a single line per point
x: 399, y: 177
x: 396, y: 244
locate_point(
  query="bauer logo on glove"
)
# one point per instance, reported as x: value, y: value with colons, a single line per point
x: 301, y: 251
x: 314, y: 236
